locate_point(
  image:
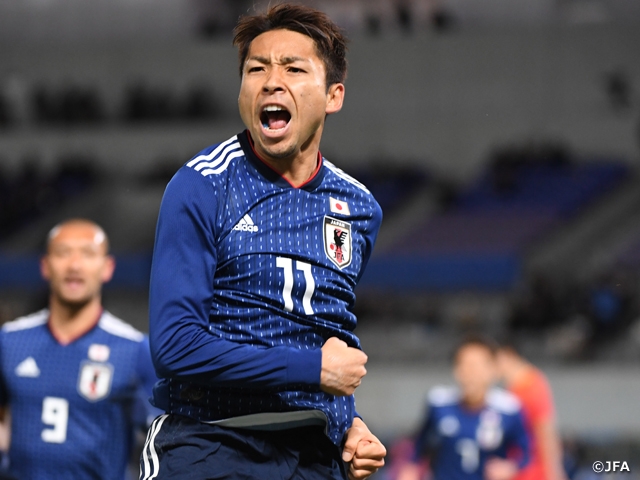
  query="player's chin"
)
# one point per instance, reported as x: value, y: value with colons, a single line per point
x: 76, y: 301
x: 280, y: 150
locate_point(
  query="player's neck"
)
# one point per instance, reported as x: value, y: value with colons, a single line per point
x: 299, y: 172
x: 297, y: 169
x: 69, y: 322
x: 474, y: 402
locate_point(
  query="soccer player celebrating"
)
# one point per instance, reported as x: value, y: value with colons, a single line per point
x: 475, y: 431
x: 75, y: 379
x: 260, y: 243
x: 531, y: 387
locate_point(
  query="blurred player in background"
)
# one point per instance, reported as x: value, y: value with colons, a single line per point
x: 259, y: 245
x: 474, y: 431
x: 531, y: 387
x: 75, y: 379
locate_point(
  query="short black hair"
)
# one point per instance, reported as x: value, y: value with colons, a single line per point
x: 509, y: 343
x: 329, y: 39
x: 476, y: 339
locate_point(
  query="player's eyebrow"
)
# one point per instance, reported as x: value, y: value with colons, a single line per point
x: 282, y: 61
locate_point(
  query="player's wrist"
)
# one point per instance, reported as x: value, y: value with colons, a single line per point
x: 358, y: 422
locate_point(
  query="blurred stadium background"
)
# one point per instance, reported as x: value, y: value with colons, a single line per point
x: 502, y: 139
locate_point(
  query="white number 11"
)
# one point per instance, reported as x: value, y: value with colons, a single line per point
x: 287, y: 265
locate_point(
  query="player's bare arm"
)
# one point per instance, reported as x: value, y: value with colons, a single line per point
x: 363, y: 451
x: 548, y: 444
x: 410, y: 471
x: 342, y: 367
x: 500, y: 469
x: 4, y: 430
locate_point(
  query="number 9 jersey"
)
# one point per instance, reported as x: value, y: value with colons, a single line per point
x: 459, y: 441
x: 250, y: 277
x: 74, y: 408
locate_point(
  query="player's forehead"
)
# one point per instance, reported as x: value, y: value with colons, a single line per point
x: 77, y: 234
x: 472, y: 353
x: 283, y: 46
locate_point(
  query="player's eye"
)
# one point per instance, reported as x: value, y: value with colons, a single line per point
x: 254, y: 69
x: 59, y: 252
x: 296, y: 70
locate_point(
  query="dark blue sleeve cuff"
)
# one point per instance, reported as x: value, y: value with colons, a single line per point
x: 304, y: 366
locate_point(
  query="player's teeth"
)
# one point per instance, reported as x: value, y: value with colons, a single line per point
x: 273, y: 108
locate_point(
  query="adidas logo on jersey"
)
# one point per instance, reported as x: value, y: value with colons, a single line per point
x: 246, y: 225
x: 28, y: 368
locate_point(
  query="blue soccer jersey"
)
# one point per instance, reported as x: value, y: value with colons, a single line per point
x: 250, y: 277
x: 460, y: 441
x: 75, y: 407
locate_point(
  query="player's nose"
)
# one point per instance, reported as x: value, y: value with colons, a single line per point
x: 75, y: 261
x: 273, y: 81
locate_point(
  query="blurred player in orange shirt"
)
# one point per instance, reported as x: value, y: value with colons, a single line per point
x: 531, y: 387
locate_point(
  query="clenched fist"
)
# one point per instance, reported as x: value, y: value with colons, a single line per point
x: 342, y: 367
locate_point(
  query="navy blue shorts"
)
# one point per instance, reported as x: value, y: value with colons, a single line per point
x: 178, y: 448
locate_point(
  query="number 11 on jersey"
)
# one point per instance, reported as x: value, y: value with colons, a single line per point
x: 287, y: 265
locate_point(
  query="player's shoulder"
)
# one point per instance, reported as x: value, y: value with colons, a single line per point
x: 538, y: 378
x: 443, y: 396
x: 209, y: 169
x: 27, y: 322
x: 345, y: 179
x: 215, y: 160
x: 503, y: 401
x: 118, y: 328
x: 354, y: 189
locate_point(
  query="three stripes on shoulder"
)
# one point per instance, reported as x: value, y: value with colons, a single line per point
x: 218, y: 160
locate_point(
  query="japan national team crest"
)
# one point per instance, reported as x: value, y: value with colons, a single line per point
x: 94, y: 382
x: 489, y: 433
x: 337, y: 241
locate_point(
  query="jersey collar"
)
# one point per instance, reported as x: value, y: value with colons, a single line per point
x: 76, y: 337
x: 270, y: 174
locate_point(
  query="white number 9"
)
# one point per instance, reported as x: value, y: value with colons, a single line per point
x: 55, y: 412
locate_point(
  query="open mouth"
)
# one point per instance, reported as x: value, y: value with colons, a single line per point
x: 74, y: 282
x: 274, y: 117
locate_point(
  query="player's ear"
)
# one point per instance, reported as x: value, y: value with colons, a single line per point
x: 335, y: 98
x: 108, y: 268
x: 45, y: 272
